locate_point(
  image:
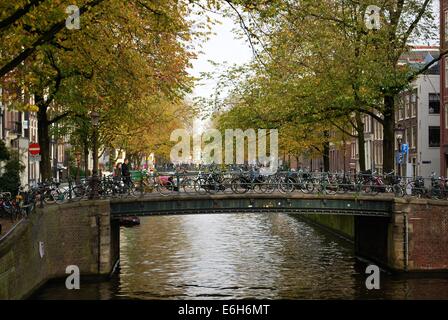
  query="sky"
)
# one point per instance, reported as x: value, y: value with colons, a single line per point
x: 223, y: 46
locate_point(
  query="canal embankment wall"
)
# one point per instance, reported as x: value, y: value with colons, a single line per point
x: 41, y: 247
x: 418, y: 235
x: 342, y: 225
x: 414, y: 238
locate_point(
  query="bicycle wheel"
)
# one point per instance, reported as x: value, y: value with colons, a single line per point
x: 286, y: 185
x: 78, y: 193
x: 200, y: 186
x: 270, y: 185
x: 410, y: 189
x: 259, y: 186
x: 166, y: 188
x: 212, y: 187
x: 375, y: 189
x: 332, y: 188
x: 343, y: 187
x: 187, y: 186
x: 367, y: 187
x: 227, y: 185
x: 61, y: 197
x: 309, y: 187
x: 50, y: 196
x: 239, y: 186
x: 398, y: 190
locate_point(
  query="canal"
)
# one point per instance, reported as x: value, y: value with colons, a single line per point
x: 236, y: 256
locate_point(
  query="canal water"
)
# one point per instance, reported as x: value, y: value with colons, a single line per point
x: 236, y: 256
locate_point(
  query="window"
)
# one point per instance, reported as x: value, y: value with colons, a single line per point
x: 414, y: 97
x: 434, y: 103
x: 446, y: 24
x: 434, y: 137
x: 446, y: 71
x: 411, y: 99
x: 406, y: 108
x: 446, y: 116
x: 401, y: 112
x: 414, y: 137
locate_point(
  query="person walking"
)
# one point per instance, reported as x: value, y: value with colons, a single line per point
x: 117, y: 172
x: 125, y: 172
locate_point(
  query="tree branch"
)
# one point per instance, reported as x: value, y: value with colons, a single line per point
x: 248, y: 33
x: 427, y: 66
x: 19, y: 13
x: 59, y: 117
x: 343, y: 130
x: 372, y: 114
x: 416, y: 21
x: 45, y: 38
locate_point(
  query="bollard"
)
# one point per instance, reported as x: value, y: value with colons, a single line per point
x: 178, y: 182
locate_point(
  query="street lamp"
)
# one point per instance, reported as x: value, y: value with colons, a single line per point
x: 95, y: 181
x: 78, y: 163
x: 399, y: 133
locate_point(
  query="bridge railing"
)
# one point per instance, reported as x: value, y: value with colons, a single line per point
x: 241, y: 182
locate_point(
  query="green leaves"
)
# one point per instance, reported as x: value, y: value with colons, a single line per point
x: 320, y: 64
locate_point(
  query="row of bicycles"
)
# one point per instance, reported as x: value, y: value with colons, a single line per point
x: 242, y: 182
x: 17, y: 207
x: 215, y: 181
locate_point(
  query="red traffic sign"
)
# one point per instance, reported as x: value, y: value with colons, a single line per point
x: 34, y: 149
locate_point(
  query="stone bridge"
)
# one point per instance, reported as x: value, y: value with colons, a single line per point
x: 182, y: 203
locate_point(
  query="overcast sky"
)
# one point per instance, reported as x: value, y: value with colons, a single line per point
x: 224, y: 46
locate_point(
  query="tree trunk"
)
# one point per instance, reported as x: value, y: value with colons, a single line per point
x: 361, y: 142
x: 43, y: 138
x: 388, y: 134
x: 326, y: 153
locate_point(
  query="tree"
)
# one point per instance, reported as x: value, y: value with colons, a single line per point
x: 356, y: 69
x: 124, y: 51
x: 10, y: 179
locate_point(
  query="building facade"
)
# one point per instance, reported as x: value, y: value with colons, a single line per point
x: 444, y: 89
x: 20, y: 128
x: 418, y: 114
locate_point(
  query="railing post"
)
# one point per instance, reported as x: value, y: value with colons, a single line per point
x: 178, y: 181
x: 141, y: 184
x: 69, y: 189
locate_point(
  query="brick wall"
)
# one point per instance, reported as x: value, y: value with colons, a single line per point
x: 73, y: 234
x: 427, y: 234
x: 428, y: 237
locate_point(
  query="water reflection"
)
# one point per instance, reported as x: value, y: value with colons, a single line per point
x: 240, y: 256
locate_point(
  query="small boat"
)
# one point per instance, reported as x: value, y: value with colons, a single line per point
x: 129, y: 221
